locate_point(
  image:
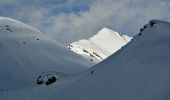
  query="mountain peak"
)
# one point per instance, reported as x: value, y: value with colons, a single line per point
x: 106, y: 33
x: 101, y: 45
x: 105, y: 29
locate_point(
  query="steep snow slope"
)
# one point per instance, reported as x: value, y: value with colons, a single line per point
x: 26, y: 52
x: 139, y: 71
x: 101, y: 45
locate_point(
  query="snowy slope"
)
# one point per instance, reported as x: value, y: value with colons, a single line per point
x: 26, y: 52
x: 139, y: 71
x: 101, y: 45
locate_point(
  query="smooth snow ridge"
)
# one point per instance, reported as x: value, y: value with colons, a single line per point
x: 101, y: 45
x: 26, y: 52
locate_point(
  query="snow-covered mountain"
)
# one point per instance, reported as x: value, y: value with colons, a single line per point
x: 101, y: 45
x: 139, y: 71
x: 25, y: 53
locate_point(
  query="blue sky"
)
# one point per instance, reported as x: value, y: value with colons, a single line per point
x: 70, y: 20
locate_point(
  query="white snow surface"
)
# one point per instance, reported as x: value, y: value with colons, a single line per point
x: 26, y: 52
x: 101, y: 45
x: 139, y: 71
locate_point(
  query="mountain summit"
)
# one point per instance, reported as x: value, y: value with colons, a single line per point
x: 101, y: 45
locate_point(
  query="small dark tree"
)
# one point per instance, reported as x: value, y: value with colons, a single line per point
x: 8, y: 28
x: 23, y: 42
x: 39, y: 81
x: 152, y: 23
x: 144, y: 27
x: 92, y: 72
x: 47, y: 78
x: 141, y: 30
x: 140, y: 33
x: 51, y: 80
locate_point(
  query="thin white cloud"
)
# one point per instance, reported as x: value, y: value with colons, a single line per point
x: 126, y: 16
